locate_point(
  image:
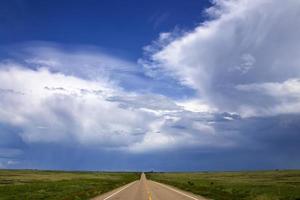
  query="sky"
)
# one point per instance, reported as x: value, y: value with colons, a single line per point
x: 198, y: 85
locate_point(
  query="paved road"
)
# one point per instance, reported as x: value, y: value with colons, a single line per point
x: 144, y: 189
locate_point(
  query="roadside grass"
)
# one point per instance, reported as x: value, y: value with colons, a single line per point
x: 259, y: 185
x: 59, y: 185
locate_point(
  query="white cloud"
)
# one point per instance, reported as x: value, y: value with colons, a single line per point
x: 283, y: 97
x: 52, y: 107
x: 77, y: 110
x: 196, y: 105
x: 289, y: 88
x: 245, y: 42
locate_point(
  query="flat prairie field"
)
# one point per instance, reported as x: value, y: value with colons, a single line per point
x: 258, y: 185
x: 59, y: 185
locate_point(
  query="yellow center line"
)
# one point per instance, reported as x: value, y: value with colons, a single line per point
x: 148, y: 191
x: 149, y: 196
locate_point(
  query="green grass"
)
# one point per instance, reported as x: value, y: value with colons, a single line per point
x: 55, y: 185
x: 261, y: 185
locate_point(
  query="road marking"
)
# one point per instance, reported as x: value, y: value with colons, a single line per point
x: 149, y: 196
x: 118, y: 191
x: 176, y: 191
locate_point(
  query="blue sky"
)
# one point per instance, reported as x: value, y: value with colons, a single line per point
x: 150, y: 85
x: 129, y: 25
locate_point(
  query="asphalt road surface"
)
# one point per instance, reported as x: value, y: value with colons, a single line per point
x: 144, y: 189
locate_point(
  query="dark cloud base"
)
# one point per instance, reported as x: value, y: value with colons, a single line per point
x: 263, y: 143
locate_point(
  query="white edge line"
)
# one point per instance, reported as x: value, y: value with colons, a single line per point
x: 113, y: 194
x: 176, y: 191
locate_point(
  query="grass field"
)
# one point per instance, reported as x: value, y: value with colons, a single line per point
x: 53, y: 185
x: 263, y: 185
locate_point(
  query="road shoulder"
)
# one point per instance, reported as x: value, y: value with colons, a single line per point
x: 113, y: 192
